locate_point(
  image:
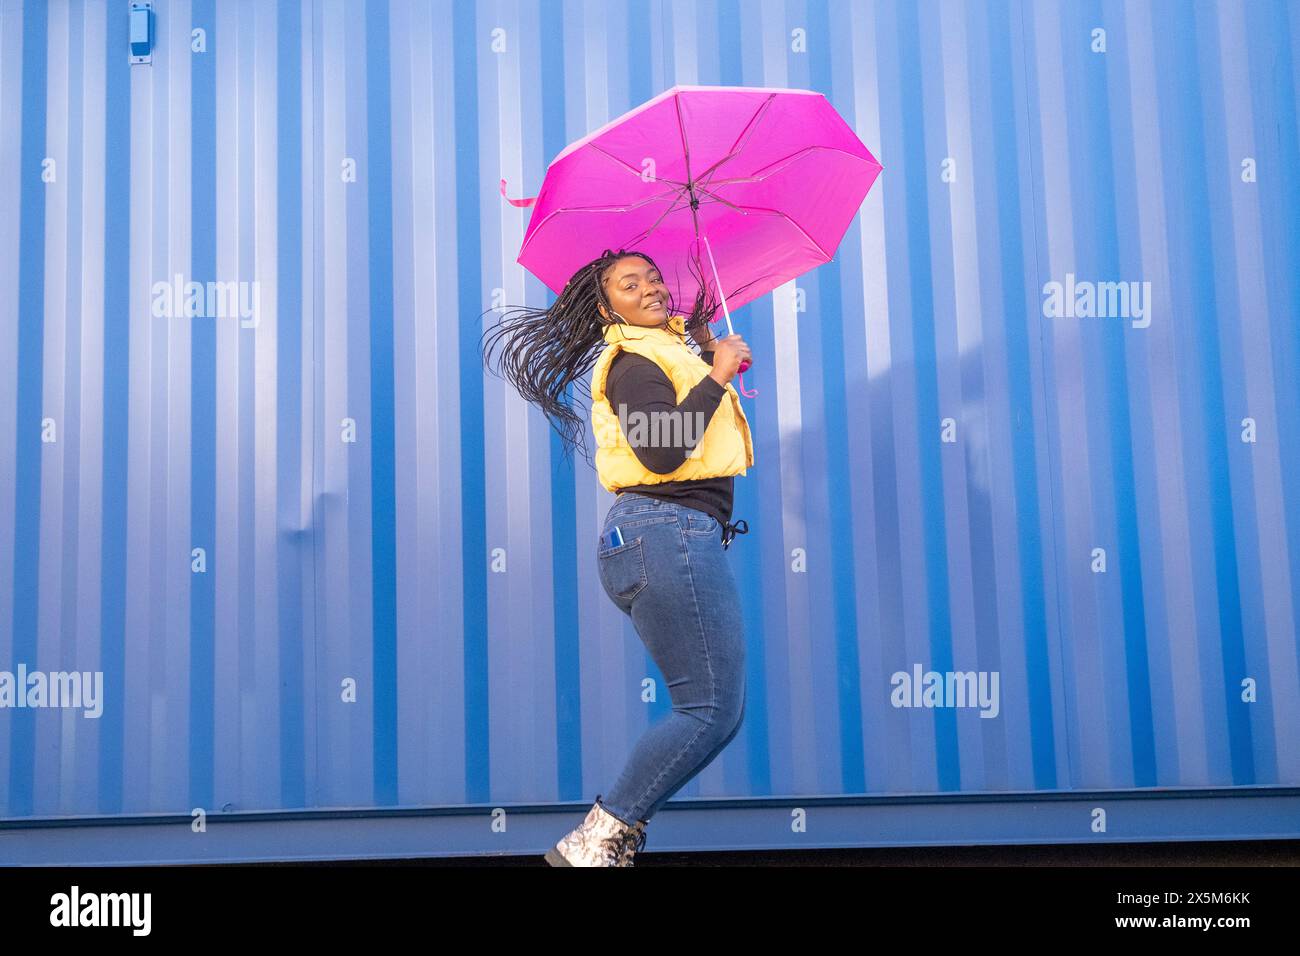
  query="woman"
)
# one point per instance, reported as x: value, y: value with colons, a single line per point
x: 660, y: 551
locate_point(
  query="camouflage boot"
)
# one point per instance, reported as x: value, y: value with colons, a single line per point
x: 602, y: 839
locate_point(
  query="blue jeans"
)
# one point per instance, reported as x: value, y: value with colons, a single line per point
x: 671, y: 577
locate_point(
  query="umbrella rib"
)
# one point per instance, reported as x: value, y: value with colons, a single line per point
x: 604, y: 208
x: 743, y: 211
x: 776, y: 212
x: 717, y: 198
x: 686, y: 152
x: 635, y: 172
x: 676, y: 193
x: 632, y: 169
x: 743, y: 138
x: 704, y: 177
x: 677, y: 204
x: 557, y: 212
x: 646, y: 232
x: 620, y: 162
x: 784, y: 161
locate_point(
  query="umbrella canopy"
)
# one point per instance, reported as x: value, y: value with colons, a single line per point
x: 761, y: 183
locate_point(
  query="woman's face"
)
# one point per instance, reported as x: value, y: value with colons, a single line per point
x: 636, y: 291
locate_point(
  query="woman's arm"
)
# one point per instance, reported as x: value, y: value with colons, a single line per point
x: 643, y: 386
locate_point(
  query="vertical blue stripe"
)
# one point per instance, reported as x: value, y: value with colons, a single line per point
x: 843, y: 568
x: 921, y: 278
x: 244, y: 220
x: 1192, y: 265
x: 986, y: 531
x: 117, y: 376
x: 1224, y: 328
x: 72, y: 385
x: 320, y: 535
x: 567, y: 647
x: 292, y: 541
x: 203, y: 409
x: 30, y: 410
x: 1097, y: 257
x: 754, y: 323
x: 1277, y: 143
x: 383, y: 481
x: 465, y: 48
x: 637, y: 59
x: 1019, y: 339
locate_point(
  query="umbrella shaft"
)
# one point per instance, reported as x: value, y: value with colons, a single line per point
x: 718, y: 283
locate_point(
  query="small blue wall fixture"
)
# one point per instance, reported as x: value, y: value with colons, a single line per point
x: 141, y: 16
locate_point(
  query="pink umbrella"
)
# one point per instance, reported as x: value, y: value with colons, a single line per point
x: 767, y: 180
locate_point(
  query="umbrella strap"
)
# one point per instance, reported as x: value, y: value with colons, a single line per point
x: 517, y: 202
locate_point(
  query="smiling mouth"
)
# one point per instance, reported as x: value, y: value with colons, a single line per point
x: 656, y: 305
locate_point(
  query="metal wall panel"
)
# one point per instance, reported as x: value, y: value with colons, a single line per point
x: 396, y: 601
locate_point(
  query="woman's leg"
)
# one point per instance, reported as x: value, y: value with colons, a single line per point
x: 671, y: 576
x: 708, y: 759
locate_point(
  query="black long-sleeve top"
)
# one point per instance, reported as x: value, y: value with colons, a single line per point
x: 641, y: 385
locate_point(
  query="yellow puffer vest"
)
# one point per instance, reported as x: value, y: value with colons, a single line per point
x: 726, y: 448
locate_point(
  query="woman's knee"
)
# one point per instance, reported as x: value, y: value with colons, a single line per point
x: 728, y: 718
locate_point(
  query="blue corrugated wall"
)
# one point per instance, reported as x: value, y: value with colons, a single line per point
x: 322, y: 560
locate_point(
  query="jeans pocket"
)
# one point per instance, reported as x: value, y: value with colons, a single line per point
x: 622, y: 570
x: 699, y: 524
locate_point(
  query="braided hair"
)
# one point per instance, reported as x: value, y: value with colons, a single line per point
x: 544, y: 351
